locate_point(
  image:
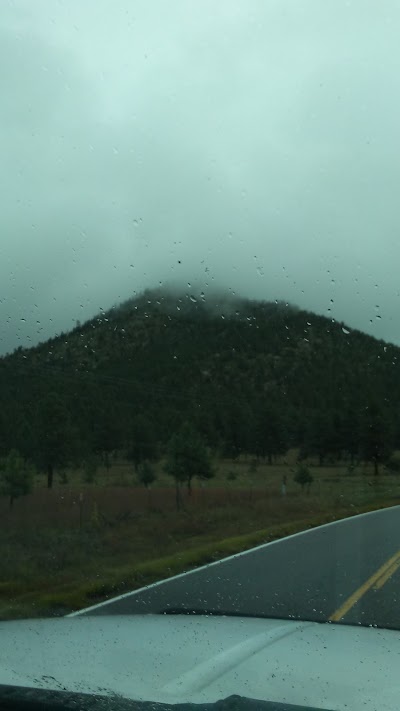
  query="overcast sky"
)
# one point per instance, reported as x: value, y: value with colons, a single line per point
x: 247, y: 144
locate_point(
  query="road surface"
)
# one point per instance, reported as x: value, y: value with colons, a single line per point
x: 348, y: 571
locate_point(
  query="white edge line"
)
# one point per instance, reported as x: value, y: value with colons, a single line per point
x: 224, y: 560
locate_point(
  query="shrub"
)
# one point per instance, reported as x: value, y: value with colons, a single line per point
x: 16, y: 476
x: 146, y: 474
x: 303, y: 477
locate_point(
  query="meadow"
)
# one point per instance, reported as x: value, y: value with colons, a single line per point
x: 77, y: 544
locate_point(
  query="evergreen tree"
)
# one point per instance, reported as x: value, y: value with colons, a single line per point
x: 319, y: 437
x: 56, y: 443
x: 303, y: 477
x: 16, y: 476
x: 143, y: 446
x: 187, y: 457
x: 270, y: 437
x: 107, y: 433
x: 376, y: 436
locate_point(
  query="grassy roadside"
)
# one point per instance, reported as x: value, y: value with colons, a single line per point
x: 19, y: 599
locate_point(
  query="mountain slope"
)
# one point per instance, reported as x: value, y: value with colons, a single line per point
x: 243, y: 372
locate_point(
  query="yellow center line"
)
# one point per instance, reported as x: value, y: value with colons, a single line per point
x: 384, y: 578
x: 378, y: 579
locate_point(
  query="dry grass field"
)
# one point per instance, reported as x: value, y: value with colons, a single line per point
x: 78, y: 543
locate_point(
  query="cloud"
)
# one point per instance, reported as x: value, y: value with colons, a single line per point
x: 248, y: 146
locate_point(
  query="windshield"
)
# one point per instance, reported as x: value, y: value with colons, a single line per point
x: 199, y: 345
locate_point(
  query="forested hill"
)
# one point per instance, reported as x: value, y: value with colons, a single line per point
x: 251, y: 377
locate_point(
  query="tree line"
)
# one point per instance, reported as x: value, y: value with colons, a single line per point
x: 143, y: 380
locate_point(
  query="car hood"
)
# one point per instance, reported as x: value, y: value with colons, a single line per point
x: 184, y: 658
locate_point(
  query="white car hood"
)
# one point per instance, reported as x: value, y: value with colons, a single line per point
x: 182, y: 658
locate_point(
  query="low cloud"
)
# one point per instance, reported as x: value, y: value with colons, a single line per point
x: 248, y: 147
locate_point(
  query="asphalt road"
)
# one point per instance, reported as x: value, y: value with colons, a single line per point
x: 348, y: 572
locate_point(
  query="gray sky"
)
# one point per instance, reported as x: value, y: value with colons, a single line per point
x: 246, y: 144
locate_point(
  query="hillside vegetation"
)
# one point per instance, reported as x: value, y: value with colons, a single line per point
x: 248, y: 377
